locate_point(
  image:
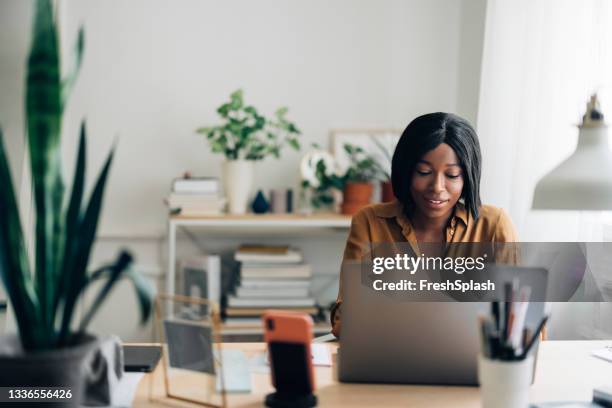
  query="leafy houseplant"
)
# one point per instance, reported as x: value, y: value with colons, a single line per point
x: 363, y: 166
x: 44, y: 293
x: 363, y: 169
x: 246, y: 136
x: 320, y: 174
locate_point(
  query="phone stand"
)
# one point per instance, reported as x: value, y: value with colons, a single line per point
x: 276, y: 400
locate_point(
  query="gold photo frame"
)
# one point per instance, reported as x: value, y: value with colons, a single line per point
x: 189, y: 330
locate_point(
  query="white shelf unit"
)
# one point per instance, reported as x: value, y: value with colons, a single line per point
x: 249, y: 223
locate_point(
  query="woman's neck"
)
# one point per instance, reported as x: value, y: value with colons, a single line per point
x: 430, y: 227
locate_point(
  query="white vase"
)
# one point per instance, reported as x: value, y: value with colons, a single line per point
x: 238, y: 181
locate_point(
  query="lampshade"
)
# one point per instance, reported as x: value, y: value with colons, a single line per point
x: 584, y: 180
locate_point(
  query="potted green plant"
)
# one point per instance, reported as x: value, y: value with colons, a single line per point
x: 51, y: 347
x: 245, y: 136
x: 321, y: 177
x: 362, y: 171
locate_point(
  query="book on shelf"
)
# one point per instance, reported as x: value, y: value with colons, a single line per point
x: 259, y: 311
x: 234, y: 322
x: 234, y: 301
x: 291, y: 271
x: 272, y: 277
x: 243, y: 321
x: 196, y: 185
x: 265, y: 293
x: 178, y: 200
x: 290, y: 257
x: 263, y: 249
x: 274, y: 284
x: 196, y: 204
x: 199, y: 212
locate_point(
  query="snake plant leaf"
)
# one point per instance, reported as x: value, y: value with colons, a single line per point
x: 14, y: 267
x: 121, y: 268
x: 123, y: 262
x: 70, y: 79
x: 85, y: 236
x: 43, y: 112
x: 72, y: 220
x: 145, y: 294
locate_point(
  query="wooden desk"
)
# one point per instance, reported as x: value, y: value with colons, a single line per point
x: 565, y: 371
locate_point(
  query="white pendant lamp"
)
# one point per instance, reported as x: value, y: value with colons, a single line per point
x: 584, y: 180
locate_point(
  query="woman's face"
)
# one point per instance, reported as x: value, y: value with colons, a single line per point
x: 437, y: 182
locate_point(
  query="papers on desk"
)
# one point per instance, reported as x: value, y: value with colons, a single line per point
x: 321, y: 356
x: 236, y: 375
x: 604, y: 353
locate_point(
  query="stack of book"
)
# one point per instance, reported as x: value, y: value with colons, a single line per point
x: 194, y: 197
x: 271, y: 277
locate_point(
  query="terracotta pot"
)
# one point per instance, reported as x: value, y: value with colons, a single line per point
x: 387, y: 192
x: 356, y: 195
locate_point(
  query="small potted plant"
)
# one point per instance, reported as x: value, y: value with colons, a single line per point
x: 362, y: 171
x: 244, y: 137
x: 44, y: 292
x: 321, y: 177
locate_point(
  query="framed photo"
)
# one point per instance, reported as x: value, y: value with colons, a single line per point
x: 380, y: 143
x: 191, y: 351
x: 201, y: 278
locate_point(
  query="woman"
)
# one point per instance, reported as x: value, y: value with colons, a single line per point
x: 435, y: 174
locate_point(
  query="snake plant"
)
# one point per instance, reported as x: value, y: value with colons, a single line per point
x: 45, y: 292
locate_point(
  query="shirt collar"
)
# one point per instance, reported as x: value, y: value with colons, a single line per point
x: 395, y: 209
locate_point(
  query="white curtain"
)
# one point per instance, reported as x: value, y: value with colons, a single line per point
x: 541, y: 61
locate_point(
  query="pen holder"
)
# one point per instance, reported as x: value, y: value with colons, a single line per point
x: 504, y: 384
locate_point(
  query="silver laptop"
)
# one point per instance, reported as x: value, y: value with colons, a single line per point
x: 384, y: 340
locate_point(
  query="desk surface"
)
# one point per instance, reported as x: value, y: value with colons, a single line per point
x: 565, y: 371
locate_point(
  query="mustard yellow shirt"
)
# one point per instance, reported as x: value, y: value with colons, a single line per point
x: 387, y: 223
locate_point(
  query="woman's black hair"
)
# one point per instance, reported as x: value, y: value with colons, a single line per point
x: 425, y: 133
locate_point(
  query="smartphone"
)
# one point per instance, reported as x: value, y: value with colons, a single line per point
x: 288, y: 336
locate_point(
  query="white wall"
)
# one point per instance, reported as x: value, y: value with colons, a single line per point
x: 14, y: 40
x: 156, y: 70
x: 473, y: 16
x: 15, y: 18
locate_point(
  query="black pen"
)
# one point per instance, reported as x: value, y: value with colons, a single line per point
x: 484, y: 333
x: 495, y: 312
x: 507, y: 307
x: 494, y: 344
x: 534, y: 338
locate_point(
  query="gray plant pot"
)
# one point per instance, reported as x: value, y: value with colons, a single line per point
x: 63, y: 367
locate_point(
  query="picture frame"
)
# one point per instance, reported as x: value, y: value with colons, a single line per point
x: 191, y: 350
x: 200, y: 277
x: 367, y: 139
